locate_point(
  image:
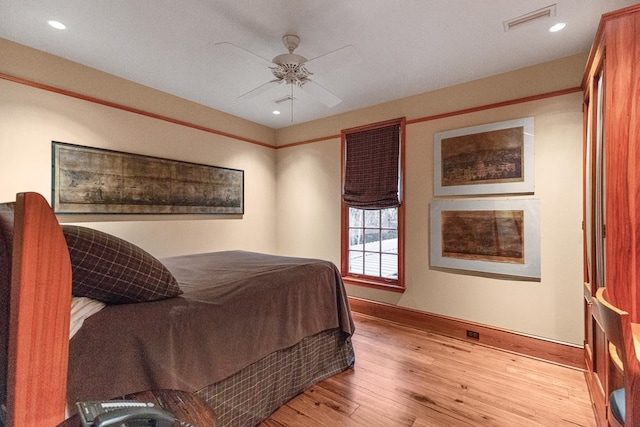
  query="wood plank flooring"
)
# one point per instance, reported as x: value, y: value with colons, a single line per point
x: 407, y: 377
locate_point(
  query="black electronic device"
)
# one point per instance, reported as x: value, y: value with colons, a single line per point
x: 128, y: 413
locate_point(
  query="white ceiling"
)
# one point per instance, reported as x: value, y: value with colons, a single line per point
x: 403, y: 47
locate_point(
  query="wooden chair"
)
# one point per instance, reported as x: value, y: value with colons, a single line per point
x: 624, y: 403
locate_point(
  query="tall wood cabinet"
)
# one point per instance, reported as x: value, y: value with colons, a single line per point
x: 611, y: 186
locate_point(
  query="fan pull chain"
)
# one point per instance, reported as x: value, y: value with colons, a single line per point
x: 291, y: 103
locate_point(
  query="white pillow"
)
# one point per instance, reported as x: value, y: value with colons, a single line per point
x: 82, y: 308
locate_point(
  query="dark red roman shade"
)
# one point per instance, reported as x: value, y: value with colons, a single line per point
x: 371, y: 175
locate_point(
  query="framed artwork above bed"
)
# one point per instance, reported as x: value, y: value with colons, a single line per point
x: 88, y: 180
x: 495, y: 158
x: 498, y: 236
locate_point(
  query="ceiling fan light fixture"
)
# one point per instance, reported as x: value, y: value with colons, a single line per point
x: 291, y: 42
x: 289, y: 59
x: 291, y: 70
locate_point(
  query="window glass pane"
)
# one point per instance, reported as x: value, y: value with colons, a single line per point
x: 356, y: 238
x: 372, y: 264
x: 374, y: 232
x: 355, y: 217
x: 389, y: 241
x: 390, y: 266
x: 389, y: 218
x: 372, y: 218
x: 356, y: 262
x: 372, y: 240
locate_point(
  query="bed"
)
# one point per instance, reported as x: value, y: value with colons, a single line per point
x: 243, y: 330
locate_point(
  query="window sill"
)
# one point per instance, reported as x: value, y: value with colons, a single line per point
x: 369, y: 282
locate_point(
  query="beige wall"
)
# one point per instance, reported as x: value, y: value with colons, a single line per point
x: 34, y: 65
x: 30, y: 118
x: 308, y: 185
x: 293, y: 194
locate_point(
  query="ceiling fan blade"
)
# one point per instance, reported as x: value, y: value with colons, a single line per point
x: 335, y: 59
x: 230, y: 47
x: 320, y: 93
x: 260, y: 89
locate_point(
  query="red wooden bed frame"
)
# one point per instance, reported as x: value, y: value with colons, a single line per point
x: 39, y: 311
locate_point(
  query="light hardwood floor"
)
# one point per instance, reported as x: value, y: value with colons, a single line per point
x: 408, y: 377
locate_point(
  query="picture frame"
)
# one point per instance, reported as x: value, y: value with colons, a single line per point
x: 87, y: 180
x: 495, y: 158
x: 490, y: 236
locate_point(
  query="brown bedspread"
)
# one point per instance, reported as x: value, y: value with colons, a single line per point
x: 237, y: 307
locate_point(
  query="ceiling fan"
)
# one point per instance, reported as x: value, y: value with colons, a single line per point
x: 292, y: 70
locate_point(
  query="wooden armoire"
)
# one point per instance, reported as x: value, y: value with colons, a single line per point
x: 611, y: 187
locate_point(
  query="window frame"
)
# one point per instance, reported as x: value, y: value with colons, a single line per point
x: 396, y: 285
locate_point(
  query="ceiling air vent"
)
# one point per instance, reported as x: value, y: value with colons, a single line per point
x: 545, y: 12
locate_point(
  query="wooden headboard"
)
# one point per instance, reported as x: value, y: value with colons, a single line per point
x: 39, y: 310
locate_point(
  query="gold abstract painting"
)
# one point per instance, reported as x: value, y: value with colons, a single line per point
x: 494, y: 158
x: 481, y: 158
x: 92, y: 180
x: 486, y: 236
x: 483, y: 235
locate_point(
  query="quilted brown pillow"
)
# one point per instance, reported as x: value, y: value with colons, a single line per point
x: 112, y: 270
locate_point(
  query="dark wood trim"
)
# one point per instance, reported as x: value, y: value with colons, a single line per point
x: 375, y: 284
x: 128, y: 109
x: 597, y: 399
x: 497, y: 105
x: 252, y: 141
x: 396, y: 285
x: 459, y: 112
x: 613, y: 61
x: 308, y: 141
x: 539, y: 348
x: 376, y: 125
x: 597, y: 48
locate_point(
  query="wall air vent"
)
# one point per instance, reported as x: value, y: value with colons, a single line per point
x: 545, y: 12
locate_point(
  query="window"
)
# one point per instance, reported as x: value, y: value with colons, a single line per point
x: 372, y: 209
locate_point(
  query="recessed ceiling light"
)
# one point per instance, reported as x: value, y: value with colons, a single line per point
x: 57, y: 25
x: 276, y: 112
x: 559, y: 26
